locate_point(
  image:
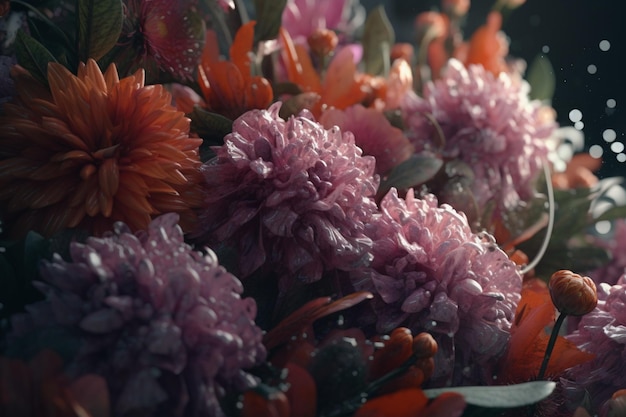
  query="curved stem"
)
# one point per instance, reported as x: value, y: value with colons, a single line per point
x: 548, y: 235
x: 550, y: 347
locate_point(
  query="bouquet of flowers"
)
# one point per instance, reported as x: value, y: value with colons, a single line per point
x: 219, y: 208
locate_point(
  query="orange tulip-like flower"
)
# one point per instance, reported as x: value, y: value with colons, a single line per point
x: 488, y: 46
x: 529, y: 339
x: 229, y: 88
x: 92, y: 150
x: 342, y: 84
x: 573, y: 294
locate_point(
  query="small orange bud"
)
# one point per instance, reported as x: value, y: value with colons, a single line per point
x: 424, y: 346
x: 573, y: 294
x: 264, y: 401
x: 322, y: 42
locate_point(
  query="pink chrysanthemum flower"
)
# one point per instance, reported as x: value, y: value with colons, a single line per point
x: 602, y: 333
x: 373, y: 133
x: 431, y: 273
x: 291, y: 193
x: 615, y: 245
x: 165, y: 325
x: 170, y: 34
x: 487, y: 122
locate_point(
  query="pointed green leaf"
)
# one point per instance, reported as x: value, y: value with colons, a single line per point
x: 99, y: 27
x: 541, y: 79
x: 414, y: 171
x: 268, y: 19
x: 378, y: 38
x: 33, y: 56
x: 502, y: 396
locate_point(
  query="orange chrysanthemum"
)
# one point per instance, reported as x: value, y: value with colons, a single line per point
x: 92, y: 150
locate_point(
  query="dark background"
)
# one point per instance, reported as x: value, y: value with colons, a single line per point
x: 568, y: 33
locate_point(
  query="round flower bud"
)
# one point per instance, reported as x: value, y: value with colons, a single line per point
x: 573, y: 294
x: 323, y: 42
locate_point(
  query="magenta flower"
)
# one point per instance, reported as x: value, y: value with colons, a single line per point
x: 290, y: 193
x: 488, y: 123
x: 302, y: 17
x: 373, y: 133
x: 165, y: 325
x: 431, y: 273
x: 169, y: 34
x: 602, y: 333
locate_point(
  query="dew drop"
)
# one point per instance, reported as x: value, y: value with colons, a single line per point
x: 604, y: 45
x: 592, y: 69
x: 609, y: 135
x: 545, y: 49
x: 575, y: 115
x: 596, y: 151
x: 617, y: 147
x: 603, y: 227
x: 611, y: 103
x: 579, y: 125
x: 621, y: 157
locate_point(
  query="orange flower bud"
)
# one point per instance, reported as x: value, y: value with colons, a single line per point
x: 573, y: 294
x: 264, y: 401
x: 424, y: 345
x: 322, y: 42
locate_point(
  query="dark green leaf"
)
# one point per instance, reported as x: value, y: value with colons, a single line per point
x: 583, y: 258
x: 541, y: 79
x: 33, y: 56
x: 268, y: 19
x: 501, y: 396
x: 55, y: 31
x: 414, y: 171
x: 211, y: 127
x: 99, y: 27
x: 378, y: 38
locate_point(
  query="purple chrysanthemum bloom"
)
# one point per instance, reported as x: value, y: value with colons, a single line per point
x: 290, y: 193
x: 487, y: 122
x: 302, y: 17
x: 431, y: 273
x: 165, y: 325
x: 615, y: 245
x: 602, y: 333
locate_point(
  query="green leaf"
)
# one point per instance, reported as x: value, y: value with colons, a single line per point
x: 378, y: 38
x: 55, y: 31
x: 501, y: 396
x: 211, y: 127
x: 414, y: 171
x: 99, y: 27
x: 33, y: 56
x: 268, y: 19
x: 541, y: 79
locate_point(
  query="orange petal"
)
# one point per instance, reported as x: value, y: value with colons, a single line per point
x: 242, y: 47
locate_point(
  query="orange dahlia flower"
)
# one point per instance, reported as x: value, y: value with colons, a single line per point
x: 91, y: 150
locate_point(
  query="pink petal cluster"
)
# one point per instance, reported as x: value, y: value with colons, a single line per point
x: 165, y: 325
x: 171, y: 34
x: 302, y: 17
x: 603, y: 333
x: 616, y: 267
x: 373, y: 133
x: 290, y: 193
x: 431, y: 273
x: 487, y: 122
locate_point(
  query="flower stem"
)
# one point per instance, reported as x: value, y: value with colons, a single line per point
x: 550, y: 347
